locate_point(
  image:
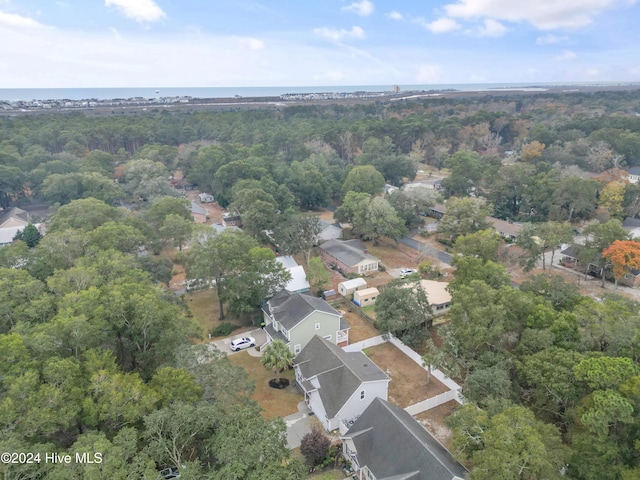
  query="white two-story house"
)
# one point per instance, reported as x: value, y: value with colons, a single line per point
x: 338, y: 386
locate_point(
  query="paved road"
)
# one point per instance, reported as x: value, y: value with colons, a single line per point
x: 426, y: 249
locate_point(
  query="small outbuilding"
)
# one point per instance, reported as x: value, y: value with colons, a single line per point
x: 365, y: 297
x: 347, y: 287
x: 206, y: 198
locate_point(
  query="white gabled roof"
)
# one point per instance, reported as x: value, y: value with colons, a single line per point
x: 353, y: 283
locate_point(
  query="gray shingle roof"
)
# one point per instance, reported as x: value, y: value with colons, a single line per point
x: 634, y: 171
x: 339, y: 373
x: 291, y: 308
x: 350, y: 252
x: 413, y: 454
x: 631, y: 222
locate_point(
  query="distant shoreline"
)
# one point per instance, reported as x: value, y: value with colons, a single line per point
x: 142, y: 104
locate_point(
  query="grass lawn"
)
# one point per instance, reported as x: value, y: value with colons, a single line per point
x: 276, y: 403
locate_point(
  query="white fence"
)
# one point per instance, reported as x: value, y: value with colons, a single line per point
x: 454, y: 388
x: 369, y: 342
x: 433, y: 402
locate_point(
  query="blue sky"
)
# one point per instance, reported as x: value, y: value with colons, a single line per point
x: 209, y: 43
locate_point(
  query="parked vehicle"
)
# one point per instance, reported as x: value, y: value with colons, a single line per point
x: 170, y: 473
x: 242, y: 343
x: 405, y: 272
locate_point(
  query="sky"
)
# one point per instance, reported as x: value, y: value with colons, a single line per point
x: 247, y: 43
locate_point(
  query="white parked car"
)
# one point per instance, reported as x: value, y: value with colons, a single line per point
x: 242, y: 343
x: 405, y: 272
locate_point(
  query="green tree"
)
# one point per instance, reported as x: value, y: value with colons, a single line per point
x: 317, y: 274
x: 466, y: 173
x: 599, y: 236
x: 411, y: 205
x: 278, y: 357
x: 377, y: 220
x: 517, y: 446
x: 84, y: 215
x: 463, y: 216
x: 364, y: 179
x: 404, y: 310
x: 176, y: 433
x: 177, y: 229
x: 482, y: 244
x: 298, y: 234
x: 29, y: 235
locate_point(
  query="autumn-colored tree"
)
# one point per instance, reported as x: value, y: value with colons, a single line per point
x: 624, y: 256
x: 531, y: 151
x: 612, y: 197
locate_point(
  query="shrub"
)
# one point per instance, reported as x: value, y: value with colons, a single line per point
x: 223, y: 330
x: 315, y: 446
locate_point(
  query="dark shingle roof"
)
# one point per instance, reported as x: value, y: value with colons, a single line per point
x: 414, y: 453
x: 350, y: 252
x: 339, y: 373
x: 634, y: 171
x: 290, y: 308
x: 631, y: 222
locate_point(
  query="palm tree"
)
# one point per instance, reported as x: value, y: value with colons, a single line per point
x: 277, y: 357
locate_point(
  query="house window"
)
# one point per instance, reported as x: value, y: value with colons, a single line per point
x: 362, y: 395
x: 317, y: 326
x: 297, y: 349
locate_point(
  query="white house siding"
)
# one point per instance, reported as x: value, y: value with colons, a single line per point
x: 354, y: 407
x: 316, y: 405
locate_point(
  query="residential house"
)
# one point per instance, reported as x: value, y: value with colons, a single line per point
x: 219, y: 228
x: 632, y: 225
x: 437, y: 294
x: 329, y: 231
x: 348, y: 256
x: 295, y: 318
x: 231, y: 220
x: 348, y: 287
x: 14, y: 217
x: 386, y: 442
x: 206, y: 198
x: 506, y: 229
x: 365, y: 297
x: 634, y: 175
x: 198, y: 213
x: 298, y: 282
x: 338, y: 386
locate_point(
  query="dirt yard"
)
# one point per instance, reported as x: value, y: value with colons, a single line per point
x: 433, y: 420
x: 410, y: 383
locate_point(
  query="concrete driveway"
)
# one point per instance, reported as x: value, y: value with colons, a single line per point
x: 298, y: 425
x: 258, y: 334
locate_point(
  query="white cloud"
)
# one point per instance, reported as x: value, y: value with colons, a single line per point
x: 543, y: 14
x: 252, y: 43
x: 491, y: 28
x: 566, y: 56
x: 441, y: 25
x: 336, y: 35
x: 550, y: 39
x: 332, y: 77
x: 13, y: 20
x: 363, y: 8
x: 393, y: 15
x: 428, y: 73
x: 138, y: 10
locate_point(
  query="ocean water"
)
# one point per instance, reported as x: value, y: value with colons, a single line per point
x: 28, y: 94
